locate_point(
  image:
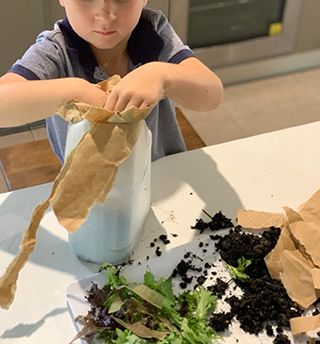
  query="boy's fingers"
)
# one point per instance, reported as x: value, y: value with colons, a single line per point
x: 105, y: 100
x: 127, y: 102
x: 146, y: 104
x: 134, y: 102
x: 111, y: 102
x: 121, y: 103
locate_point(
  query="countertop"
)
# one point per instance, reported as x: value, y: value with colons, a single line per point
x: 263, y: 172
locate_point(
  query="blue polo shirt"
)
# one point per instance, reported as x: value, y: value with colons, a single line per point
x: 62, y: 53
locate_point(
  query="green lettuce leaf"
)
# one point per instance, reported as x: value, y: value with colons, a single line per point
x: 239, y: 271
x: 163, y: 286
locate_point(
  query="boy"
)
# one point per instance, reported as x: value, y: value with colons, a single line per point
x: 97, y: 39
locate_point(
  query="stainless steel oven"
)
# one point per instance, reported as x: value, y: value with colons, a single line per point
x: 229, y: 33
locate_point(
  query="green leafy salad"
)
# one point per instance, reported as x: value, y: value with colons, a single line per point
x: 132, y: 313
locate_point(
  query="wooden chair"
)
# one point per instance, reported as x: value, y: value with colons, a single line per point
x: 191, y: 137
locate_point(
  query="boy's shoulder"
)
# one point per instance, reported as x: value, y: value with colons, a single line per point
x: 154, y: 39
x: 156, y: 17
x: 55, y: 35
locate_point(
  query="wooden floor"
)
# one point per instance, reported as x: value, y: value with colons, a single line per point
x: 29, y: 164
x: 33, y: 163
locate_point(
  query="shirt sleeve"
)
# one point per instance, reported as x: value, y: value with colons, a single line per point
x: 43, y: 60
x: 174, y: 50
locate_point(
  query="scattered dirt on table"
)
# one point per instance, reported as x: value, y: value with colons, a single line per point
x: 264, y: 305
x: 264, y: 301
x: 219, y: 288
x: 217, y: 221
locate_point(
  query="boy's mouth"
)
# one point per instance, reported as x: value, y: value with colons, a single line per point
x: 105, y: 33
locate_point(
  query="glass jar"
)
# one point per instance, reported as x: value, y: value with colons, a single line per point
x: 112, y: 227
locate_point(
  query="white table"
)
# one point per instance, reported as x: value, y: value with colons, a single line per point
x: 263, y: 172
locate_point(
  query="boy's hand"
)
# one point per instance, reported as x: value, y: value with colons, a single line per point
x: 91, y: 94
x: 141, y: 88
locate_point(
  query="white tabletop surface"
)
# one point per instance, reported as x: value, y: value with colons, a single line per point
x: 263, y: 172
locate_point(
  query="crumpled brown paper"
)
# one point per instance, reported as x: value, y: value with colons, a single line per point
x: 295, y: 260
x: 285, y: 243
x: 303, y: 324
x: 103, y: 149
x: 73, y: 111
x: 85, y: 178
x: 297, y: 278
x: 259, y: 219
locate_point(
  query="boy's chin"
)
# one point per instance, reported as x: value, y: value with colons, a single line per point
x: 104, y: 45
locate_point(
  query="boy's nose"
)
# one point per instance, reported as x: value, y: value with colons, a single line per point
x: 107, y: 9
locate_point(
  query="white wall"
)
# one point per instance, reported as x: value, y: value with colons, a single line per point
x: 20, y: 22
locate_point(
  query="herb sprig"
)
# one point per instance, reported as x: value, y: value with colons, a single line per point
x: 238, y: 272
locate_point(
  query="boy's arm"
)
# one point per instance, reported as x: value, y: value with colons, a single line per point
x: 23, y: 101
x: 190, y: 83
x: 193, y: 85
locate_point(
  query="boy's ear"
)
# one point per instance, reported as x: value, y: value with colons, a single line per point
x: 61, y: 3
x: 145, y: 2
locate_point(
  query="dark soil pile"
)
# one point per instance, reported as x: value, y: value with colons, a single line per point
x: 217, y: 221
x: 264, y: 300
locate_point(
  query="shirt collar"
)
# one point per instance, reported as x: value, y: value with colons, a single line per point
x: 144, y: 44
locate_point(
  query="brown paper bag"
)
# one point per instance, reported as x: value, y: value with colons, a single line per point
x: 316, y: 278
x: 104, y: 148
x: 310, y: 210
x: 291, y: 215
x: 307, y: 234
x: 272, y: 259
x: 297, y: 278
x: 304, y: 324
x: 259, y: 219
x: 86, y: 177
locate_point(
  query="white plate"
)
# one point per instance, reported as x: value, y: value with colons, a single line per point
x: 162, y: 267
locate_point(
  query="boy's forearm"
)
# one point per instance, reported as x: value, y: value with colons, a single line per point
x: 27, y: 101
x: 192, y: 84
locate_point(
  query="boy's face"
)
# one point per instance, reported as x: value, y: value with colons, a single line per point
x: 103, y: 23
